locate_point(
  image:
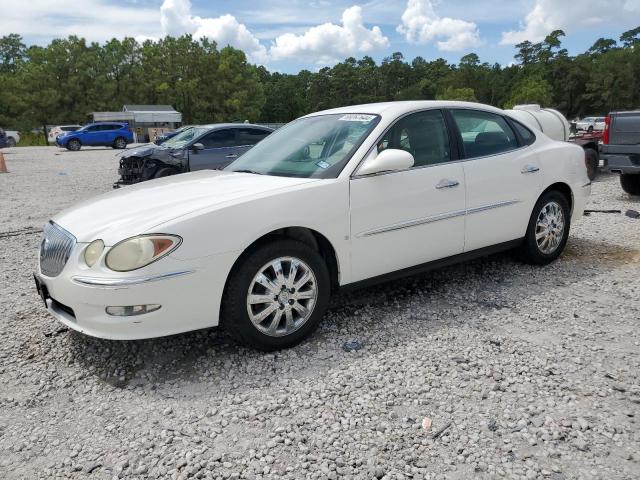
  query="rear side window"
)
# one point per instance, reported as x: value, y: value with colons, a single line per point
x: 250, y: 136
x: 219, y: 139
x: 484, y: 133
x: 526, y: 135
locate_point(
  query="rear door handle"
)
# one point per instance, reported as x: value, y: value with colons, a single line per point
x: 232, y: 155
x: 445, y: 183
x: 529, y: 169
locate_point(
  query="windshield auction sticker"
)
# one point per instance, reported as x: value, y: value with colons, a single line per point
x: 357, y: 117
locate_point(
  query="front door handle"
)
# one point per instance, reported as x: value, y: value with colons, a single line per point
x: 232, y: 155
x: 445, y: 183
x: 530, y: 169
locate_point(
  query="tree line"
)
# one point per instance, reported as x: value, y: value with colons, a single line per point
x: 69, y: 78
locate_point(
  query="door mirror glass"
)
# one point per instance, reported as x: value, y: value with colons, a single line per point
x: 197, y: 146
x: 389, y: 160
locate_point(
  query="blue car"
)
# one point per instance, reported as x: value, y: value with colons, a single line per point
x: 103, y: 134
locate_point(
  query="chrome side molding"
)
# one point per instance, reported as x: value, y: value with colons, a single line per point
x: 435, y: 218
x: 126, y: 282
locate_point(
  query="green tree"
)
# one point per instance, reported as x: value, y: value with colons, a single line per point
x: 463, y: 94
x: 530, y: 90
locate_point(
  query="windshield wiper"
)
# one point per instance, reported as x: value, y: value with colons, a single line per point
x: 247, y: 171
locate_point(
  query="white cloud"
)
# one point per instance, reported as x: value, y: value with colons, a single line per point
x: 176, y: 19
x: 96, y: 20
x: 549, y: 15
x: 421, y: 24
x: 328, y: 43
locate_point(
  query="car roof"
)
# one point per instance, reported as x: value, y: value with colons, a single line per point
x: 402, y: 107
x: 227, y: 125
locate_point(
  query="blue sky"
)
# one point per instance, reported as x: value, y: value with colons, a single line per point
x: 288, y: 35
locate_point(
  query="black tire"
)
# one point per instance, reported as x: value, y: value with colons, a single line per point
x: 74, y: 145
x: 591, y: 159
x: 234, y: 311
x: 164, y: 172
x: 590, y: 129
x: 11, y: 142
x: 630, y: 183
x: 120, y: 143
x: 529, y: 251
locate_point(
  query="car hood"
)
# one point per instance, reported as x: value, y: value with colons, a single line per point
x: 142, y: 151
x: 138, y: 208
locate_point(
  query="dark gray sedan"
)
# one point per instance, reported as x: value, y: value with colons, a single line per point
x: 197, y: 148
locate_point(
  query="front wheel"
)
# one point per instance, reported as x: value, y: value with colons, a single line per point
x: 548, y: 229
x: 276, y: 296
x: 74, y: 145
x: 164, y: 172
x: 630, y: 183
x: 11, y: 142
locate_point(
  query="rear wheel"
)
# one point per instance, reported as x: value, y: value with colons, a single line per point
x: 591, y: 159
x: 276, y: 296
x: 548, y: 229
x: 11, y: 142
x: 630, y: 183
x: 120, y: 143
x: 74, y: 145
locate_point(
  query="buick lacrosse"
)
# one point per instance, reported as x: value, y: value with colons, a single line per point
x: 337, y: 198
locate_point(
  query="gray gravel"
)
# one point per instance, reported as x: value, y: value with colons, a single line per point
x: 516, y: 371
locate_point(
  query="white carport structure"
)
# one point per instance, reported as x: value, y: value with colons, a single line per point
x: 145, y: 120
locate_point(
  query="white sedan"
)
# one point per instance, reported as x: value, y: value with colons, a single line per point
x: 337, y: 198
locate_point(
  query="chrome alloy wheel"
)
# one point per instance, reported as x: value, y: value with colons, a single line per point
x: 281, y: 296
x: 550, y: 228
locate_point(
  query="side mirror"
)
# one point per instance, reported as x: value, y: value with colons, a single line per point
x: 197, y: 146
x: 389, y: 160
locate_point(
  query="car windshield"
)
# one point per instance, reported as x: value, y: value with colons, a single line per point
x: 181, y: 139
x: 311, y: 147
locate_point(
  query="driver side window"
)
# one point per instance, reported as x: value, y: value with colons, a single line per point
x: 219, y: 139
x: 424, y: 135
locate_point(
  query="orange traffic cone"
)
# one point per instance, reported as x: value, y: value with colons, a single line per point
x: 3, y: 165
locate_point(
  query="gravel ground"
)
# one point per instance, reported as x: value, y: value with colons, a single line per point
x: 516, y: 371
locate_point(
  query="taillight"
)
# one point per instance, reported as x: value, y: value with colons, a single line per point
x: 605, y: 134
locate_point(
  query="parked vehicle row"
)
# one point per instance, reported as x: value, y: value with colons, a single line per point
x: 106, y: 134
x: 193, y: 148
x: 8, y: 138
x: 335, y: 199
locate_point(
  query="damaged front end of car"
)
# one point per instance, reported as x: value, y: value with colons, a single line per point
x: 141, y: 165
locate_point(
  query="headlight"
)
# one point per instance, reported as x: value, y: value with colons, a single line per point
x: 140, y: 251
x: 93, y: 251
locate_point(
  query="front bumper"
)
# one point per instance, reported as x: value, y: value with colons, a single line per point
x: 189, y: 292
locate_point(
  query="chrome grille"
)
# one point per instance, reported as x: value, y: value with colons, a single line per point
x: 55, y: 249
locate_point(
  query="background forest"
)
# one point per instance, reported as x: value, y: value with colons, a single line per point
x: 68, y: 79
